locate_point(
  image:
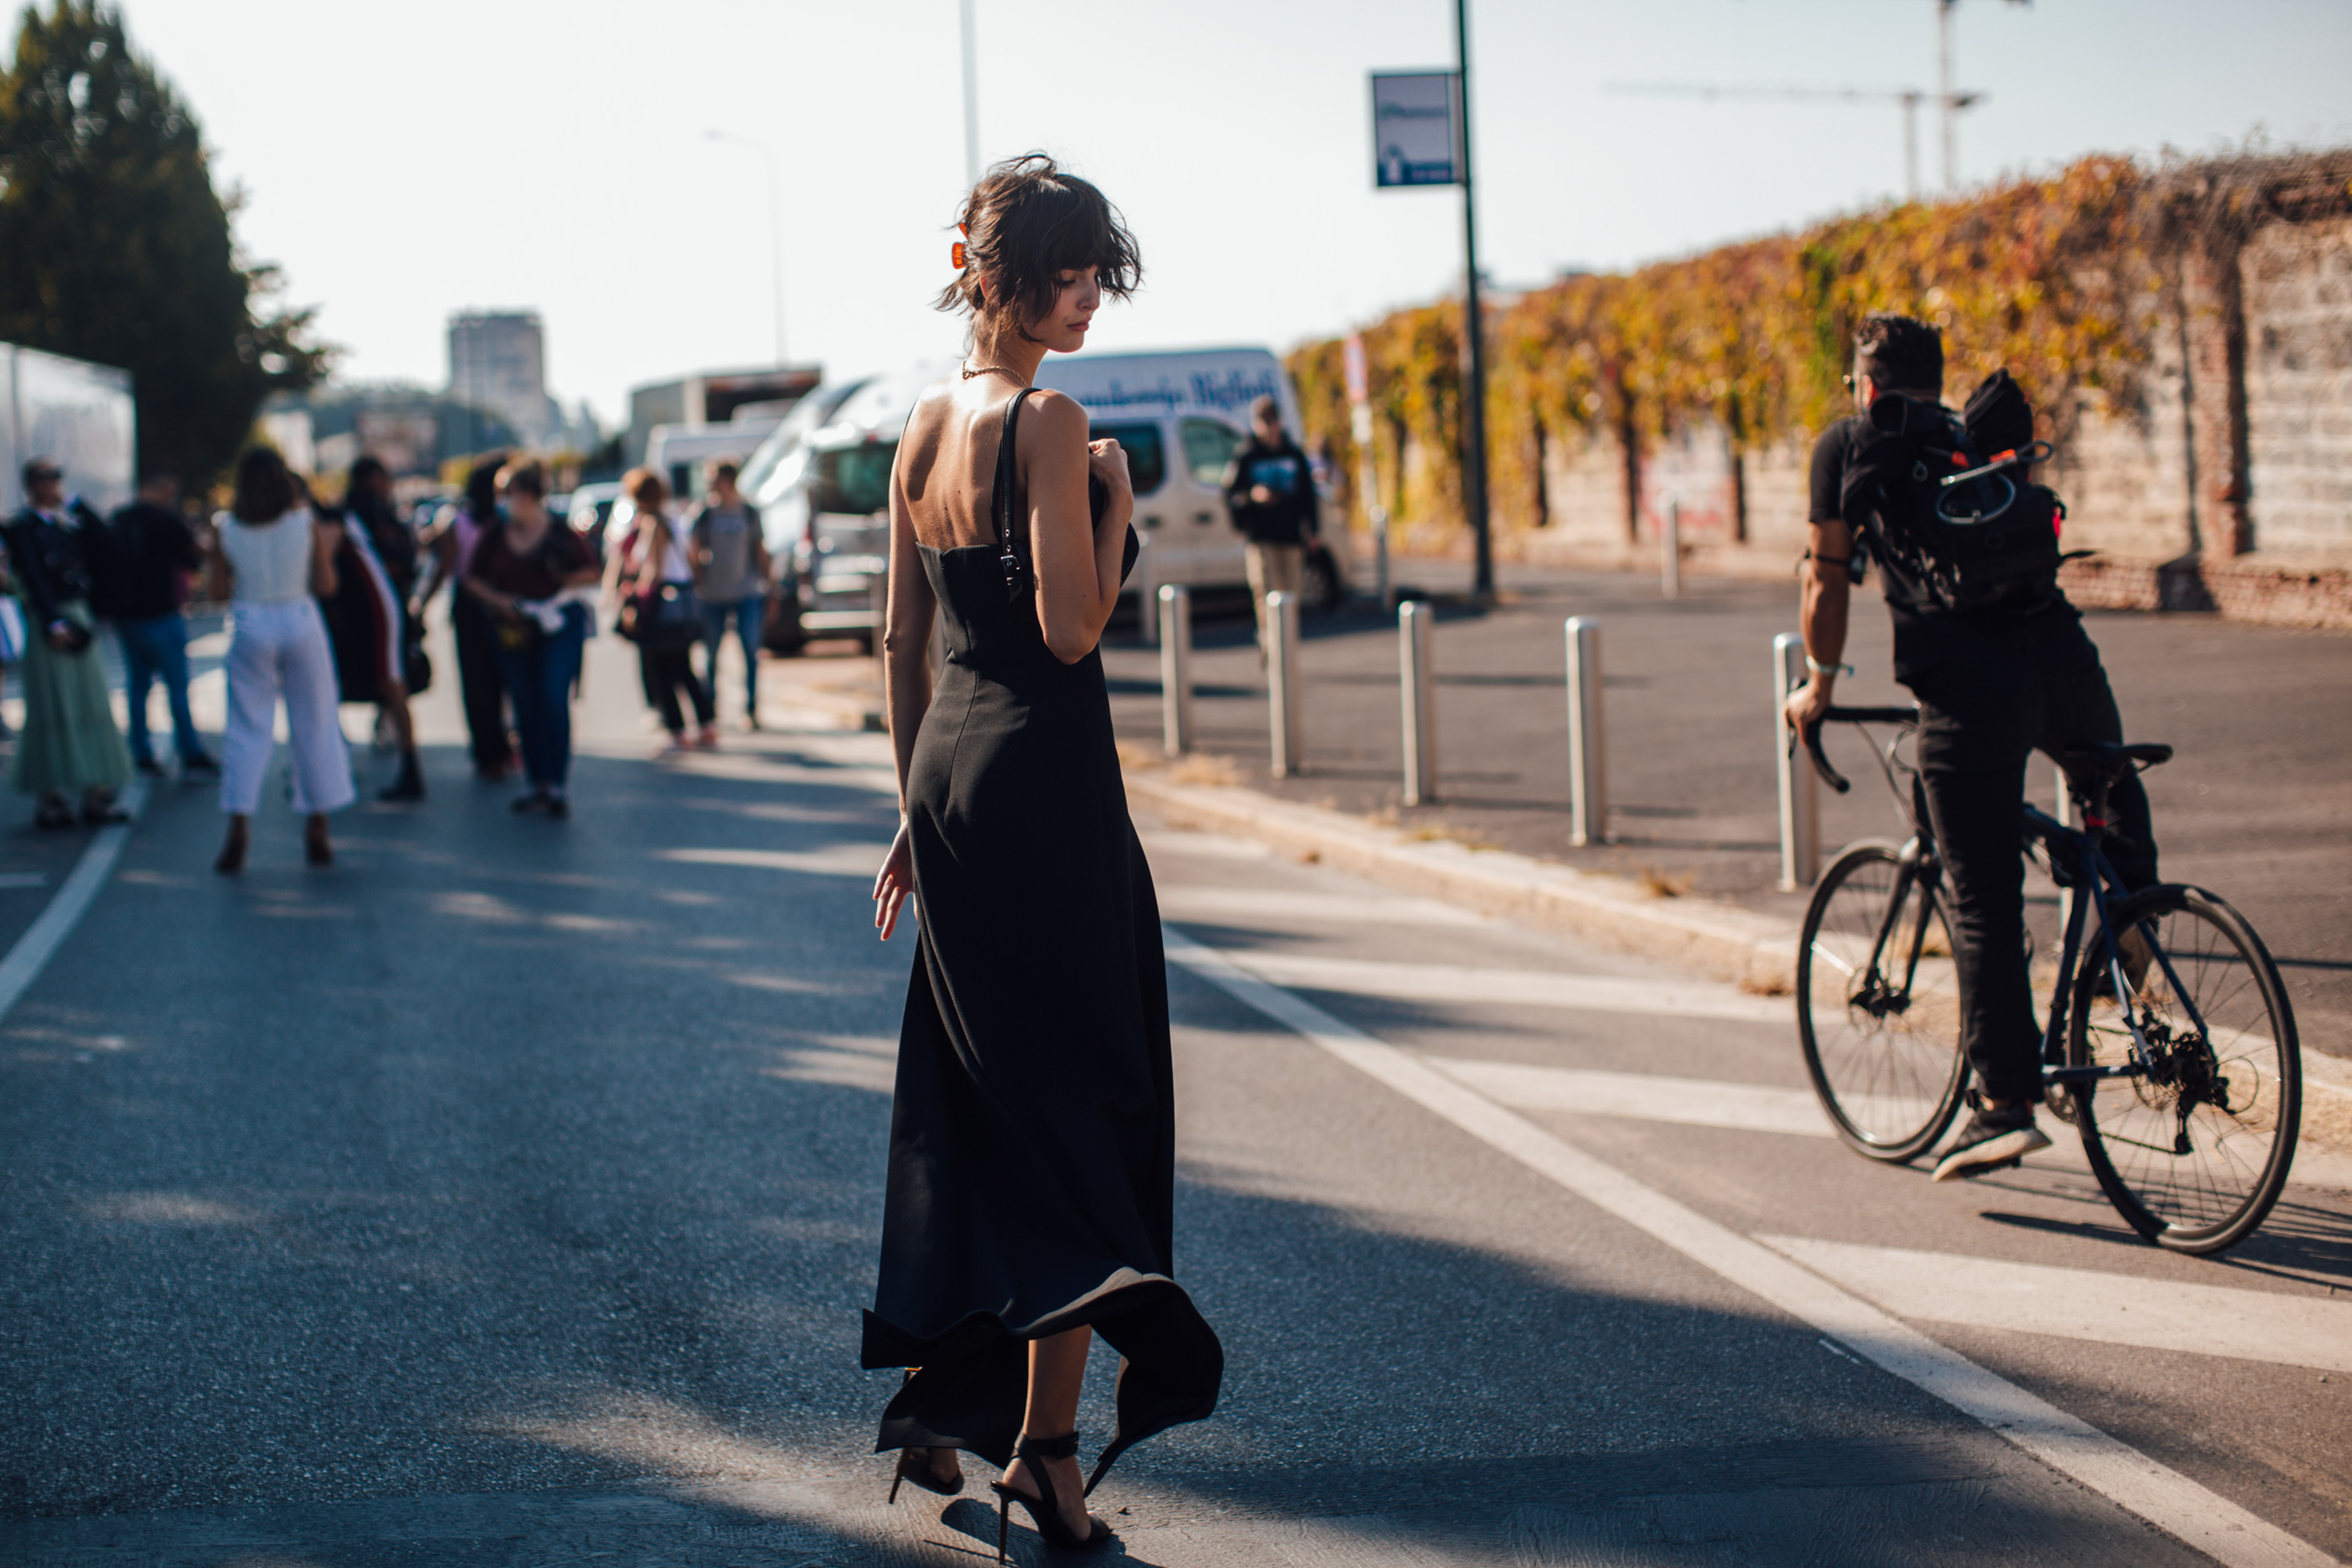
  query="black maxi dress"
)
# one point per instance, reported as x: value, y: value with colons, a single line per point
x: 1033, y: 1133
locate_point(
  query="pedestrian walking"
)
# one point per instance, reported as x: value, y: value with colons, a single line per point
x: 653, y: 578
x: 449, y: 548
x: 274, y: 561
x: 377, y: 640
x: 69, y: 746
x: 1270, y: 490
x: 536, y: 577
x: 731, y: 581
x: 1032, y: 1140
x: 142, y: 586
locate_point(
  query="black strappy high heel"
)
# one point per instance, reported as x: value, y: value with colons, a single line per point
x: 1045, y: 1510
x: 908, y: 1470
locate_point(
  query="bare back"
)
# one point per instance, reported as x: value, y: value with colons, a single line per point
x: 946, y: 468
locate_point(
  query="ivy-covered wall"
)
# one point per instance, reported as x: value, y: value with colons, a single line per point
x: 2186, y: 331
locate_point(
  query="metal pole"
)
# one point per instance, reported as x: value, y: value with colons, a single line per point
x: 1474, y: 333
x: 971, y: 95
x: 1945, y: 96
x: 1283, y: 716
x: 1588, y: 754
x: 1911, y: 146
x: 1176, y: 668
x: 1414, y: 619
x: 1670, y: 555
x: 1801, y: 806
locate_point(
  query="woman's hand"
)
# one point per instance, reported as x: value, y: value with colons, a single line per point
x: 894, y: 883
x: 1107, y: 461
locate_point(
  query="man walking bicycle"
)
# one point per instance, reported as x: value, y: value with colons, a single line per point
x: 2002, y: 668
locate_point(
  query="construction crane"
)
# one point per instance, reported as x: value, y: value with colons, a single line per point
x: 1910, y: 97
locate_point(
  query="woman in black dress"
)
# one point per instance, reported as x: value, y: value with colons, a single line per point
x: 1032, y: 1140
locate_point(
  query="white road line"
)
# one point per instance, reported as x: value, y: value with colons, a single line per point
x: 833, y: 860
x: 1528, y: 987
x: 1273, y: 904
x: 1645, y: 1097
x: 2085, y: 1304
x: 2165, y: 1498
x: 54, y: 924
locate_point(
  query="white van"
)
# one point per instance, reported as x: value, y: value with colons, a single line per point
x: 1181, y: 416
x: 822, y: 481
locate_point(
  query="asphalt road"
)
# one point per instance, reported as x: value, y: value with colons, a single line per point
x: 508, y: 1194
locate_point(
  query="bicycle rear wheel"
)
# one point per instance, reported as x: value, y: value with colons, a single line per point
x: 1878, y: 1005
x: 2193, y: 1154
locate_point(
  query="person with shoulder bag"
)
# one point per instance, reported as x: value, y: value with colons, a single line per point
x: 1997, y: 658
x: 652, y: 577
x: 534, y: 575
x: 70, y: 745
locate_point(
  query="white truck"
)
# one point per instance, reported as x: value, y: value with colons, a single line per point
x: 78, y: 414
x: 822, y: 481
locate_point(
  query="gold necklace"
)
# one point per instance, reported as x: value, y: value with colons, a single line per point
x: 987, y: 369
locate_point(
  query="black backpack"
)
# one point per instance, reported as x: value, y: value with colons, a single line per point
x: 1950, y: 500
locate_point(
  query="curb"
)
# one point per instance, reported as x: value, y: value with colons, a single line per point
x: 1754, y: 952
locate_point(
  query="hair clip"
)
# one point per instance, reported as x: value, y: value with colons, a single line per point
x: 956, y: 251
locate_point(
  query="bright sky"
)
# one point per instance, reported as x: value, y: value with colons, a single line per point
x: 404, y: 162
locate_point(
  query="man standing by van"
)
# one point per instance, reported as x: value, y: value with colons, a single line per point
x: 1271, y: 493
x: 731, y: 581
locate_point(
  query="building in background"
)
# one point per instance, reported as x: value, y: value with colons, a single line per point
x: 78, y: 414
x: 497, y: 362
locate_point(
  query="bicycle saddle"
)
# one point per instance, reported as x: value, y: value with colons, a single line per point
x: 2113, y: 759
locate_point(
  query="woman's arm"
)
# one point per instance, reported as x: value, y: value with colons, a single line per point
x: 326, y: 538
x: 1078, y: 559
x: 907, y: 691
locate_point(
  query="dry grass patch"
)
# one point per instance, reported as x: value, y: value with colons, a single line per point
x: 1138, y: 758
x: 1661, y: 884
x: 1204, y: 768
x: 1764, y: 986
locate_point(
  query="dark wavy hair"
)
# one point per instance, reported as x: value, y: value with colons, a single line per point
x: 266, y: 489
x: 482, y: 488
x: 1900, y: 352
x: 1025, y: 221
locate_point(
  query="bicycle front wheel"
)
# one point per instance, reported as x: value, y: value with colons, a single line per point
x: 1878, y: 1005
x: 2193, y: 1152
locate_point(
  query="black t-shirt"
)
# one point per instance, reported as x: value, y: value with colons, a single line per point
x: 148, y: 547
x: 1927, y: 634
x: 537, y: 573
x: 1283, y: 470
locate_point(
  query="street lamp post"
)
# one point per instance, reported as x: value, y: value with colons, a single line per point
x: 775, y: 226
x: 971, y: 94
x: 1473, y: 331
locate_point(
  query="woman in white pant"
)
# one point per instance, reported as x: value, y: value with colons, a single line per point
x: 276, y: 558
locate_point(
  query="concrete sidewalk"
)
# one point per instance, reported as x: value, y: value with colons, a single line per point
x: 2255, y: 807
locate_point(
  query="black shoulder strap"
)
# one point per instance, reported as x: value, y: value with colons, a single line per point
x: 1008, y: 557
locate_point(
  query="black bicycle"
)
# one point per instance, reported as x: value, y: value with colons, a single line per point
x: 2171, y: 1048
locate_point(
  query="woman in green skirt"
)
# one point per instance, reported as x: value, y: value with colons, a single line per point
x: 68, y: 746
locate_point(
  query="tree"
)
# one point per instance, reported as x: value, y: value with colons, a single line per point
x: 115, y: 247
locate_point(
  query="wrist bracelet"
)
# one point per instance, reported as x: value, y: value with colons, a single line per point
x: 1817, y: 667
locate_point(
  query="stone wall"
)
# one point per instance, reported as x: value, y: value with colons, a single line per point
x: 2222, y: 481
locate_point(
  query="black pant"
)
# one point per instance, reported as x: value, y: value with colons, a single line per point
x: 1980, y: 720
x: 667, y: 670
x: 479, y: 682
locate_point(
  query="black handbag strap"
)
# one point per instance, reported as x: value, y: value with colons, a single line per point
x: 1016, y: 572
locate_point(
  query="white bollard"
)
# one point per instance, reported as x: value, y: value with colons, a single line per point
x: 1283, y: 717
x: 1414, y: 619
x: 1176, y: 668
x: 1588, y: 756
x: 1670, y: 558
x: 1801, y: 806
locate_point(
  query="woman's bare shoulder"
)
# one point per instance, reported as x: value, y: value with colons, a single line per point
x: 1053, y: 417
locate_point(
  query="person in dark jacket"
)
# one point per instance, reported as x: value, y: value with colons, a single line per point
x: 449, y: 547
x: 368, y: 620
x: 143, y: 574
x: 1270, y: 491
x: 70, y: 744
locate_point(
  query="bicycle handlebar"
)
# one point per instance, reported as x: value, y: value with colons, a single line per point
x: 1835, y: 715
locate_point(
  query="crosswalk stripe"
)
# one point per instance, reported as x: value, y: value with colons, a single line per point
x: 1647, y: 1097
x: 2206, y: 1520
x: 1525, y: 987
x: 2086, y: 1304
